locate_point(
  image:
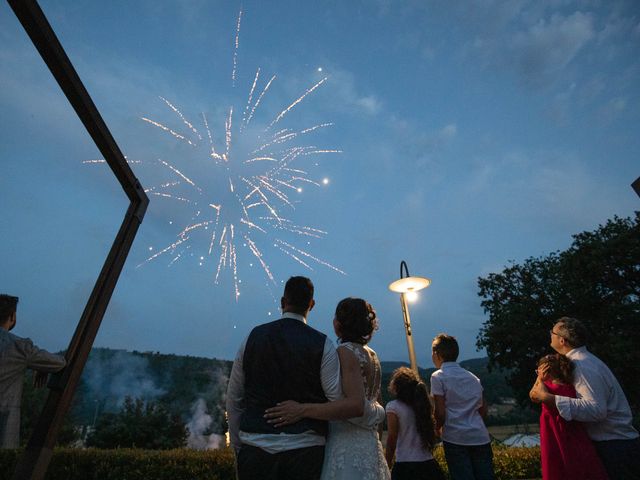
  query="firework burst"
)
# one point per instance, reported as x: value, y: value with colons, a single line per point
x: 239, y: 183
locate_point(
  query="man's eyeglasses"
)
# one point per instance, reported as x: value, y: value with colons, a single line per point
x: 551, y: 332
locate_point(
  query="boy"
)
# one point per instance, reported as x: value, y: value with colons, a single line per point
x: 459, y: 408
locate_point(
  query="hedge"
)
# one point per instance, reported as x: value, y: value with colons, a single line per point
x: 130, y: 464
x: 134, y: 464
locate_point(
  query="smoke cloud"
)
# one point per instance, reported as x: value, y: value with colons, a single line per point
x: 198, y: 427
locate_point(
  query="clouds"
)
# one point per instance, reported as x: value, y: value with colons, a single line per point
x: 536, y: 48
x: 549, y: 45
x: 369, y: 104
x: 552, y: 189
x: 347, y: 96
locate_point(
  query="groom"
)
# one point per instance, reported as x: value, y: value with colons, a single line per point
x: 282, y: 360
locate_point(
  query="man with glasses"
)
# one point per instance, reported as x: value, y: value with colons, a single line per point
x: 601, y: 403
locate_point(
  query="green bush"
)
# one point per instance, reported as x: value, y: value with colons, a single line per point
x: 509, y: 463
x: 183, y: 464
x: 130, y: 464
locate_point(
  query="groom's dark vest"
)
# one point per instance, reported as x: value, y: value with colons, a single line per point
x: 282, y: 361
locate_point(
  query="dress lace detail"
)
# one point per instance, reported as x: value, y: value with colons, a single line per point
x: 354, y: 452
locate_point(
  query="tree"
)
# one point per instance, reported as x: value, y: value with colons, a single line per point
x: 140, y: 425
x: 597, y: 279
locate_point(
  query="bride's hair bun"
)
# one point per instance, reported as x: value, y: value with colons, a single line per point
x: 357, y: 320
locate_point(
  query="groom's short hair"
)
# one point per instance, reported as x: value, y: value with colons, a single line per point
x: 298, y: 292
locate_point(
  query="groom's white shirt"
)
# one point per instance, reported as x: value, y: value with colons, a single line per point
x: 330, y: 379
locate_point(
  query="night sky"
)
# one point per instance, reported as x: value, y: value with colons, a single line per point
x: 458, y: 136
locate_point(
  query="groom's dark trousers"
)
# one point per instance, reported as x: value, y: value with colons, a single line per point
x: 300, y: 464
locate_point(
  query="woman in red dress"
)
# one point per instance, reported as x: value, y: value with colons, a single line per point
x: 565, y: 449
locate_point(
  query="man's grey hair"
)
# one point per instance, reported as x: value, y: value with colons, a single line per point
x: 573, y: 331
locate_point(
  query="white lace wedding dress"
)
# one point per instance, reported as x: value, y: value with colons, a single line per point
x: 353, y: 452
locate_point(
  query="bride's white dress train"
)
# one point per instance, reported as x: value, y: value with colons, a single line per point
x: 354, y: 452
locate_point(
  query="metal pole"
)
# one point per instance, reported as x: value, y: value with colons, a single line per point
x: 407, y: 330
x: 34, y: 461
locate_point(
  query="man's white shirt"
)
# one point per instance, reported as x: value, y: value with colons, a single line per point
x: 601, y: 403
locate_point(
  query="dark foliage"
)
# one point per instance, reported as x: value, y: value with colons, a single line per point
x: 597, y: 279
x: 139, y: 424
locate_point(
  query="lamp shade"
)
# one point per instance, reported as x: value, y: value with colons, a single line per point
x: 409, y: 284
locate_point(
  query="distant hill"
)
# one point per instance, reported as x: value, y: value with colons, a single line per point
x: 176, y: 381
x: 179, y: 382
x: 184, y: 383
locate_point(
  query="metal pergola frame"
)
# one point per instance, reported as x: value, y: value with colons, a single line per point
x: 35, y: 460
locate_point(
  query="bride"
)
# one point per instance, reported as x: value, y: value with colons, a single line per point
x: 353, y: 449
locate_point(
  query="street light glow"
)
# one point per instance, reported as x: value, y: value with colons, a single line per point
x: 412, y: 296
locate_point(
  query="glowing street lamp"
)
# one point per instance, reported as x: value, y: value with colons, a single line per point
x: 408, y: 287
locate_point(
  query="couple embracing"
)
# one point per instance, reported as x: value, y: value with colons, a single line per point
x: 288, y: 381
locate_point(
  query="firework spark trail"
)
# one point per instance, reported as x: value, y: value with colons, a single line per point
x: 292, y: 154
x: 164, y: 185
x: 252, y: 225
x: 313, y: 152
x: 308, y: 255
x: 286, y: 135
x: 235, y: 268
x: 167, y: 129
x: 246, y: 108
x: 228, y: 257
x: 311, y: 129
x: 180, y: 174
x: 221, y: 261
x: 286, y: 184
x: 184, y: 120
x: 295, y: 257
x: 166, y: 249
x: 168, y: 195
x: 289, y: 226
x: 294, y: 170
x: 235, y: 50
x: 227, y: 128
x: 102, y: 160
x: 177, y: 257
x: 211, y: 144
x: 256, y: 252
x: 264, y: 90
x: 302, y: 97
x: 193, y: 227
x: 304, y: 179
x: 215, y: 228
x: 260, y: 159
x: 275, y: 191
x: 265, y: 200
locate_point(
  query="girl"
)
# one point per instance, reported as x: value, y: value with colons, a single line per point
x: 565, y: 449
x: 411, y: 432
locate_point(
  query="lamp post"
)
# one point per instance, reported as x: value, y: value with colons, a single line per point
x: 407, y: 286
